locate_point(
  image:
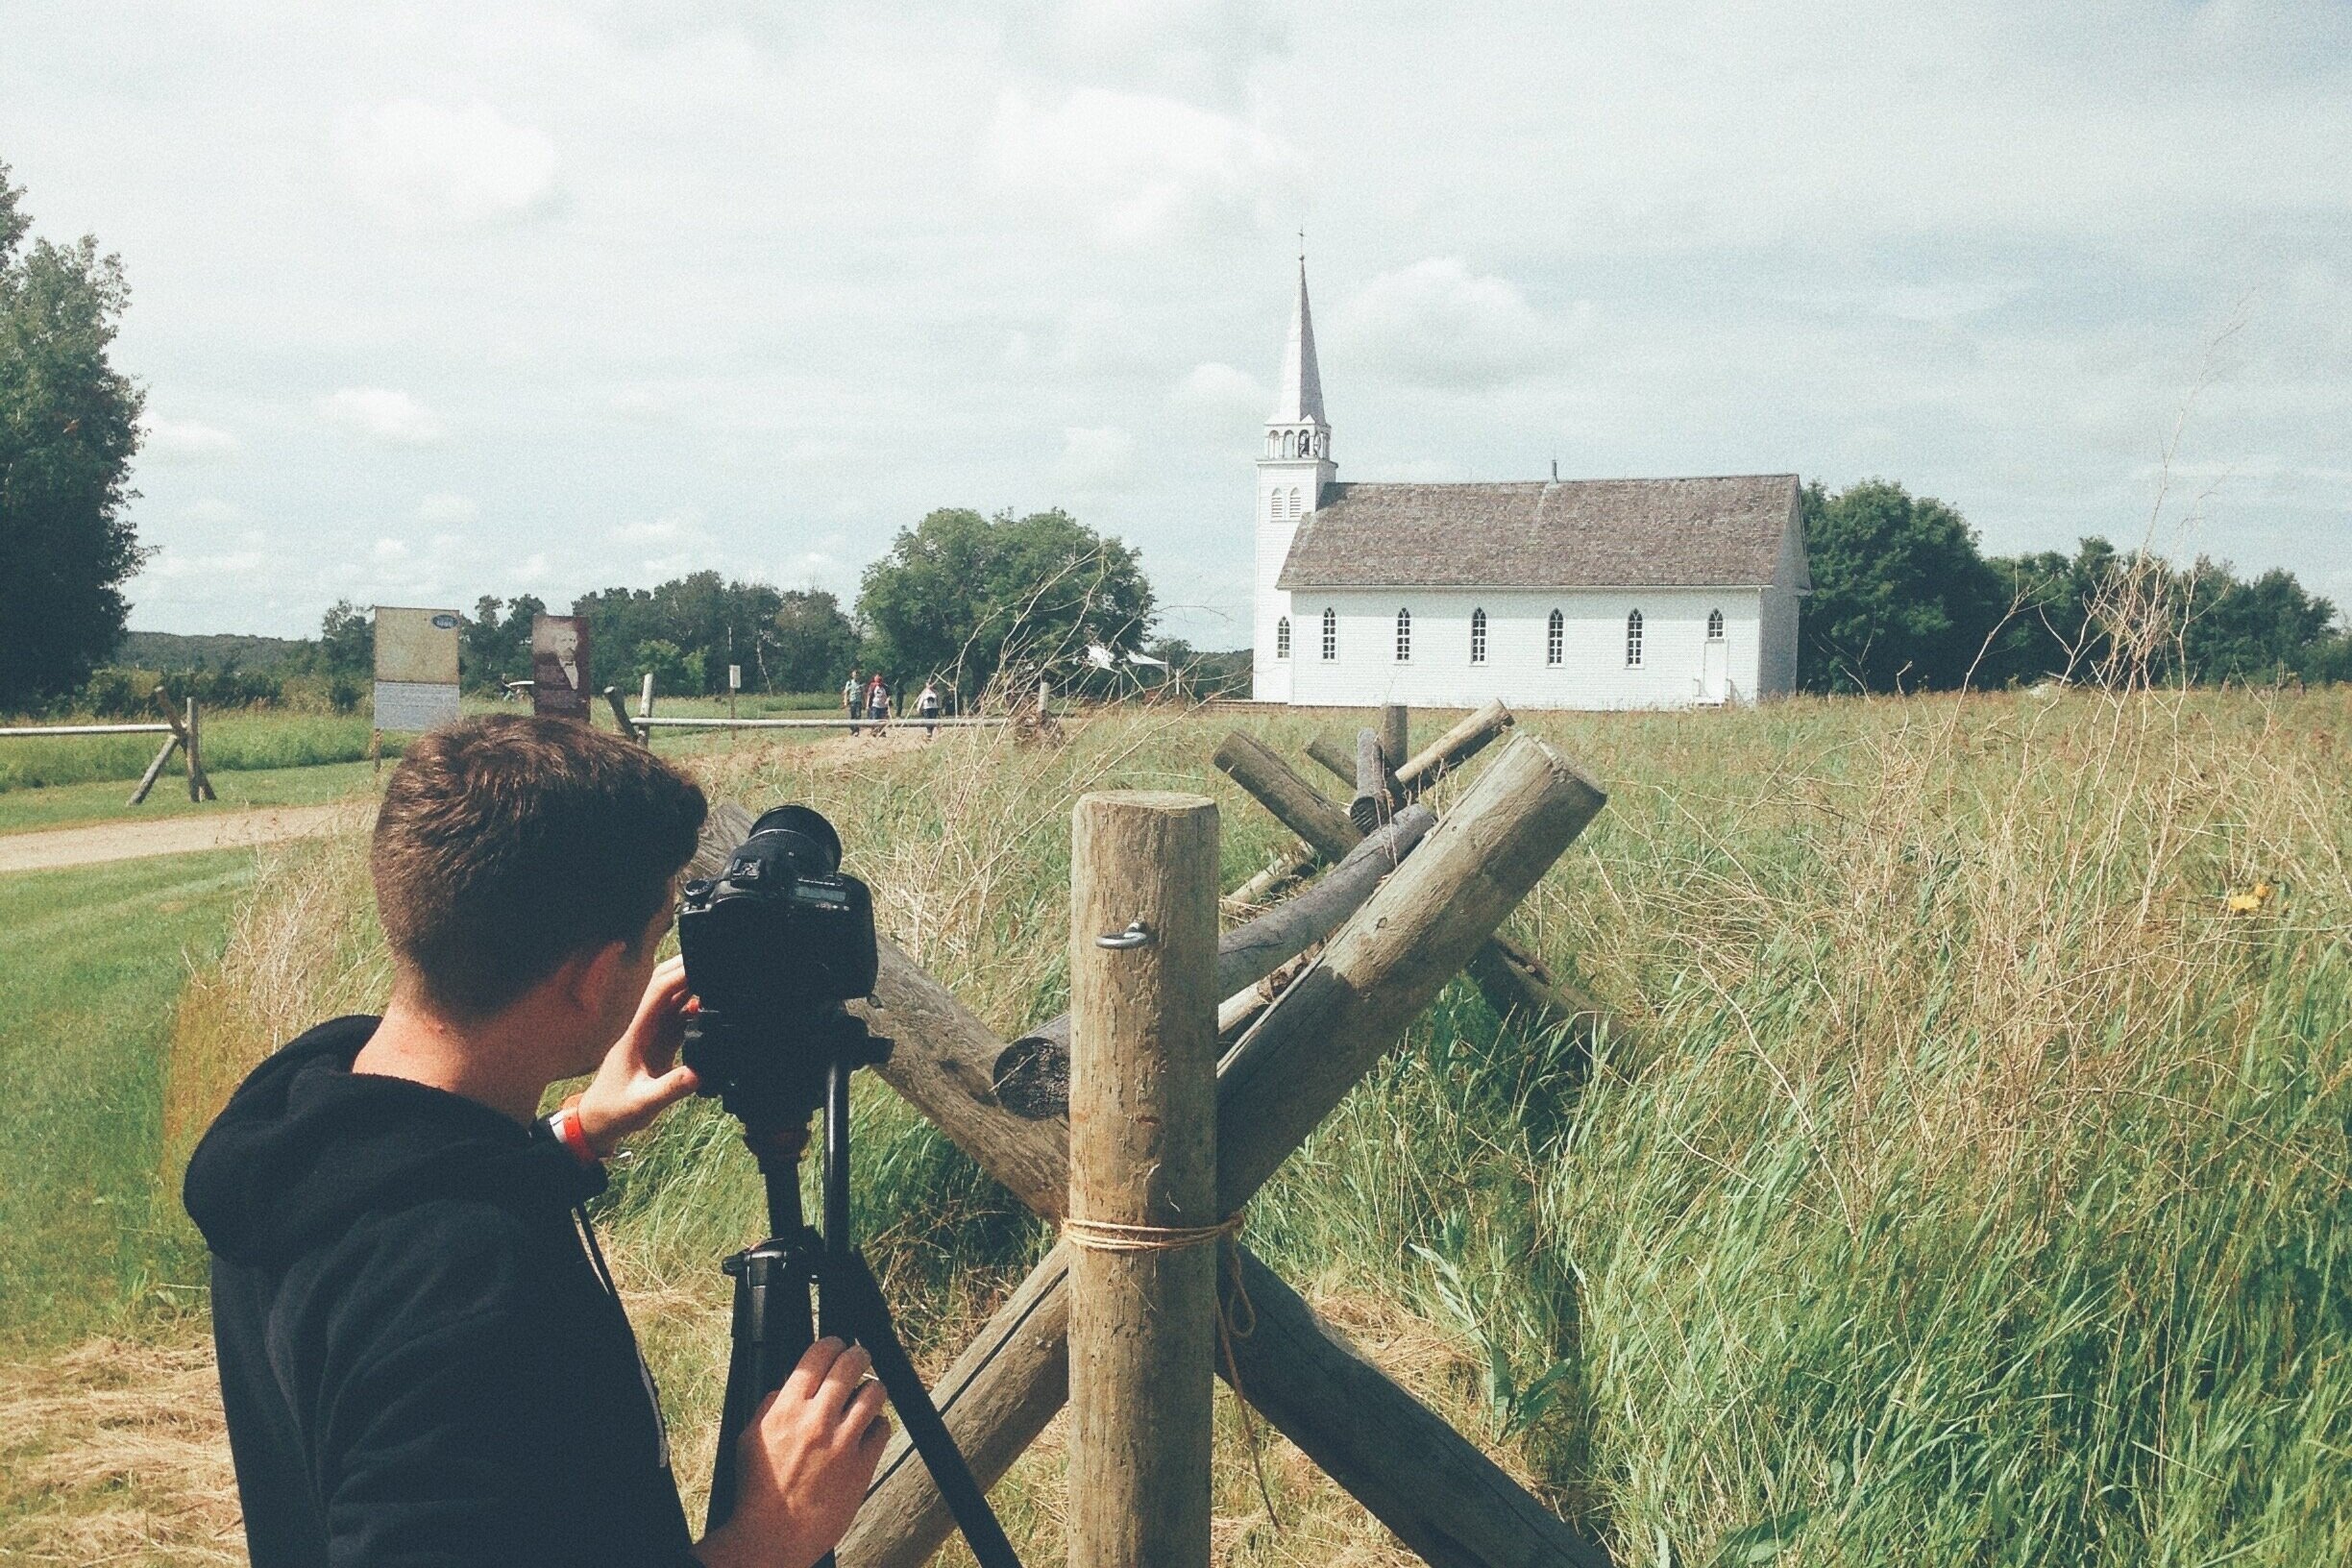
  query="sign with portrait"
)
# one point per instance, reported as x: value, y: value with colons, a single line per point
x: 559, y: 666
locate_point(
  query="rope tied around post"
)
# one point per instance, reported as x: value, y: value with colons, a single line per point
x: 1105, y: 1236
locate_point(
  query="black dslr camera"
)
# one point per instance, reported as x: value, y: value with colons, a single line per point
x: 774, y: 947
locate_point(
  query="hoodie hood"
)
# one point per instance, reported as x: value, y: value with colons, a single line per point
x: 305, y: 1146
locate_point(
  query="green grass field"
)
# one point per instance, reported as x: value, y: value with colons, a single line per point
x: 1976, y: 1185
x: 68, y: 805
x: 233, y: 742
x: 92, y: 965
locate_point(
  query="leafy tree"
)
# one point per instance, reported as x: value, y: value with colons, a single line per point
x: 1901, y: 599
x: 347, y: 641
x: 810, y: 643
x: 495, y: 648
x: 719, y: 622
x: 2261, y: 632
x: 68, y: 428
x: 964, y: 596
x: 672, y: 669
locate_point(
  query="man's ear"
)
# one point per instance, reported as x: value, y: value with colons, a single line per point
x: 588, y: 978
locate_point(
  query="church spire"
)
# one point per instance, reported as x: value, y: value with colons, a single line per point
x: 1299, y: 398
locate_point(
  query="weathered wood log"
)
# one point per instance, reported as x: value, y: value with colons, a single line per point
x: 1449, y: 750
x: 1459, y: 1511
x: 155, y: 768
x: 621, y: 715
x: 1296, y: 803
x: 1511, y: 979
x: 1376, y: 795
x: 1515, y: 981
x: 1394, y: 728
x: 1142, y: 1155
x: 1031, y: 1077
x: 1337, y: 759
x: 1325, y: 1032
x: 1386, y: 965
x: 1260, y: 890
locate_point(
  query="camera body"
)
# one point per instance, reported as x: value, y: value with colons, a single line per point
x: 774, y: 945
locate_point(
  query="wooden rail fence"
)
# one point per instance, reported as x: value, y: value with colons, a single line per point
x: 186, y: 732
x: 1072, y: 1116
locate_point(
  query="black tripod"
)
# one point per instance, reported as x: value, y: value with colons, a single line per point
x: 775, y: 1281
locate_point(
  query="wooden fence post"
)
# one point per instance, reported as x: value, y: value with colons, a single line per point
x: 621, y: 718
x: 1393, y: 730
x: 1375, y: 800
x: 200, y: 787
x: 1143, y: 1177
x: 1333, y: 1023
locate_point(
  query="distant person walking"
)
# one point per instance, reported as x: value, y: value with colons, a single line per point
x: 877, y: 703
x: 853, y: 698
x: 928, y: 705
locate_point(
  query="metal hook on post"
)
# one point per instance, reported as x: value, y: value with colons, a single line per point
x: 1135, y: 935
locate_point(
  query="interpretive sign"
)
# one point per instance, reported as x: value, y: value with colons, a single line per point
x: 416, y: 668
x: 559, y: 666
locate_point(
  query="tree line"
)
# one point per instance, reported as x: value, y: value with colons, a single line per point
x: 960, y: 598
x: 1903, y: 599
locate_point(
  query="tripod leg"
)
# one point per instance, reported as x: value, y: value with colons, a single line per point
x: 772, y: 1332
x: 869, y: 1315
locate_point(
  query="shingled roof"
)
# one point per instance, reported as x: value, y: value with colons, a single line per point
x: 1581, y: 534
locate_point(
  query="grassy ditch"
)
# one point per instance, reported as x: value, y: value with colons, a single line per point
x: 1977, y: 1189
x: 91, y: 965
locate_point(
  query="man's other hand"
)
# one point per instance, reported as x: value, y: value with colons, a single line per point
x: 641, y: 1076
x: 803, y: 1465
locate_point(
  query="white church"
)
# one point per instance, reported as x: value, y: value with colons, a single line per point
x: 1574, y: 594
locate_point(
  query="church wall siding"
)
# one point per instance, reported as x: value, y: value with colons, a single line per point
x: 1592, y: 673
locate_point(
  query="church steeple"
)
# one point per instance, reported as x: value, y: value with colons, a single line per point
x: 1293, y: 476
x: 1300, y: 396
x: 1296, y: 429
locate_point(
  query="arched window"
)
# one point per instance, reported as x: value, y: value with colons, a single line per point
x: 1714, y: 625
x: 1331, y: 635
x: 1282, y: 638
x: 1633, y: 641
x: 1295, y: 500
x: 1404, y: 636
x: 1555, y: 638
x: 1289, y: 443
x: 1477, y: 636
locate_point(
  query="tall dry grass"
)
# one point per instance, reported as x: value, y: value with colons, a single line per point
x: 1978, y: 1191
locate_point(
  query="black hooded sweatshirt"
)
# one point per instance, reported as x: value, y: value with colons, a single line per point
x: 421, y: 1355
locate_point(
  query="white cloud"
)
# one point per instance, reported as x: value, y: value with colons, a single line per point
x: 441, y: 508
x: 182, y: 565
x: 381, y: 414
x: 676, y: 543
x: 212, y: 509
x: 1095, y: 458
x: 1438, y: 323
x: 426, y: 166
x: 187, y: 441
x: 391, y: 549
x: 1138, y: 167
x: 1222, y: 392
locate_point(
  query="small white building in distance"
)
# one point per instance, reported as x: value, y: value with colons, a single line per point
x: 1576, y: 593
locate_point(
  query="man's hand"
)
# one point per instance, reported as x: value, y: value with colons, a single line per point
x: 641, y: 1075
x: 802, y: 1464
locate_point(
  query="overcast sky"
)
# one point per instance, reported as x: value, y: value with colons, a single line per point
x: 440, y: 300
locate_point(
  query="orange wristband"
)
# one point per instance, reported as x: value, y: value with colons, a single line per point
x: 566, y: 1122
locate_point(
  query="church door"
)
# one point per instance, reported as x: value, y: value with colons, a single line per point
x: 1714, y: 669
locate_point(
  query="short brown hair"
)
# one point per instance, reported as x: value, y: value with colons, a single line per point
x: 507, y: 844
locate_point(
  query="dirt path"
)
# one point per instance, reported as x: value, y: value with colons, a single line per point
x: 58, y: 846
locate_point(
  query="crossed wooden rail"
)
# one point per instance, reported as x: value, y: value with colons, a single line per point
x: 1348, y: 1009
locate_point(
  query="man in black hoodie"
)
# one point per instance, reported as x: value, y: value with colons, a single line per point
x: 421, y: 1355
